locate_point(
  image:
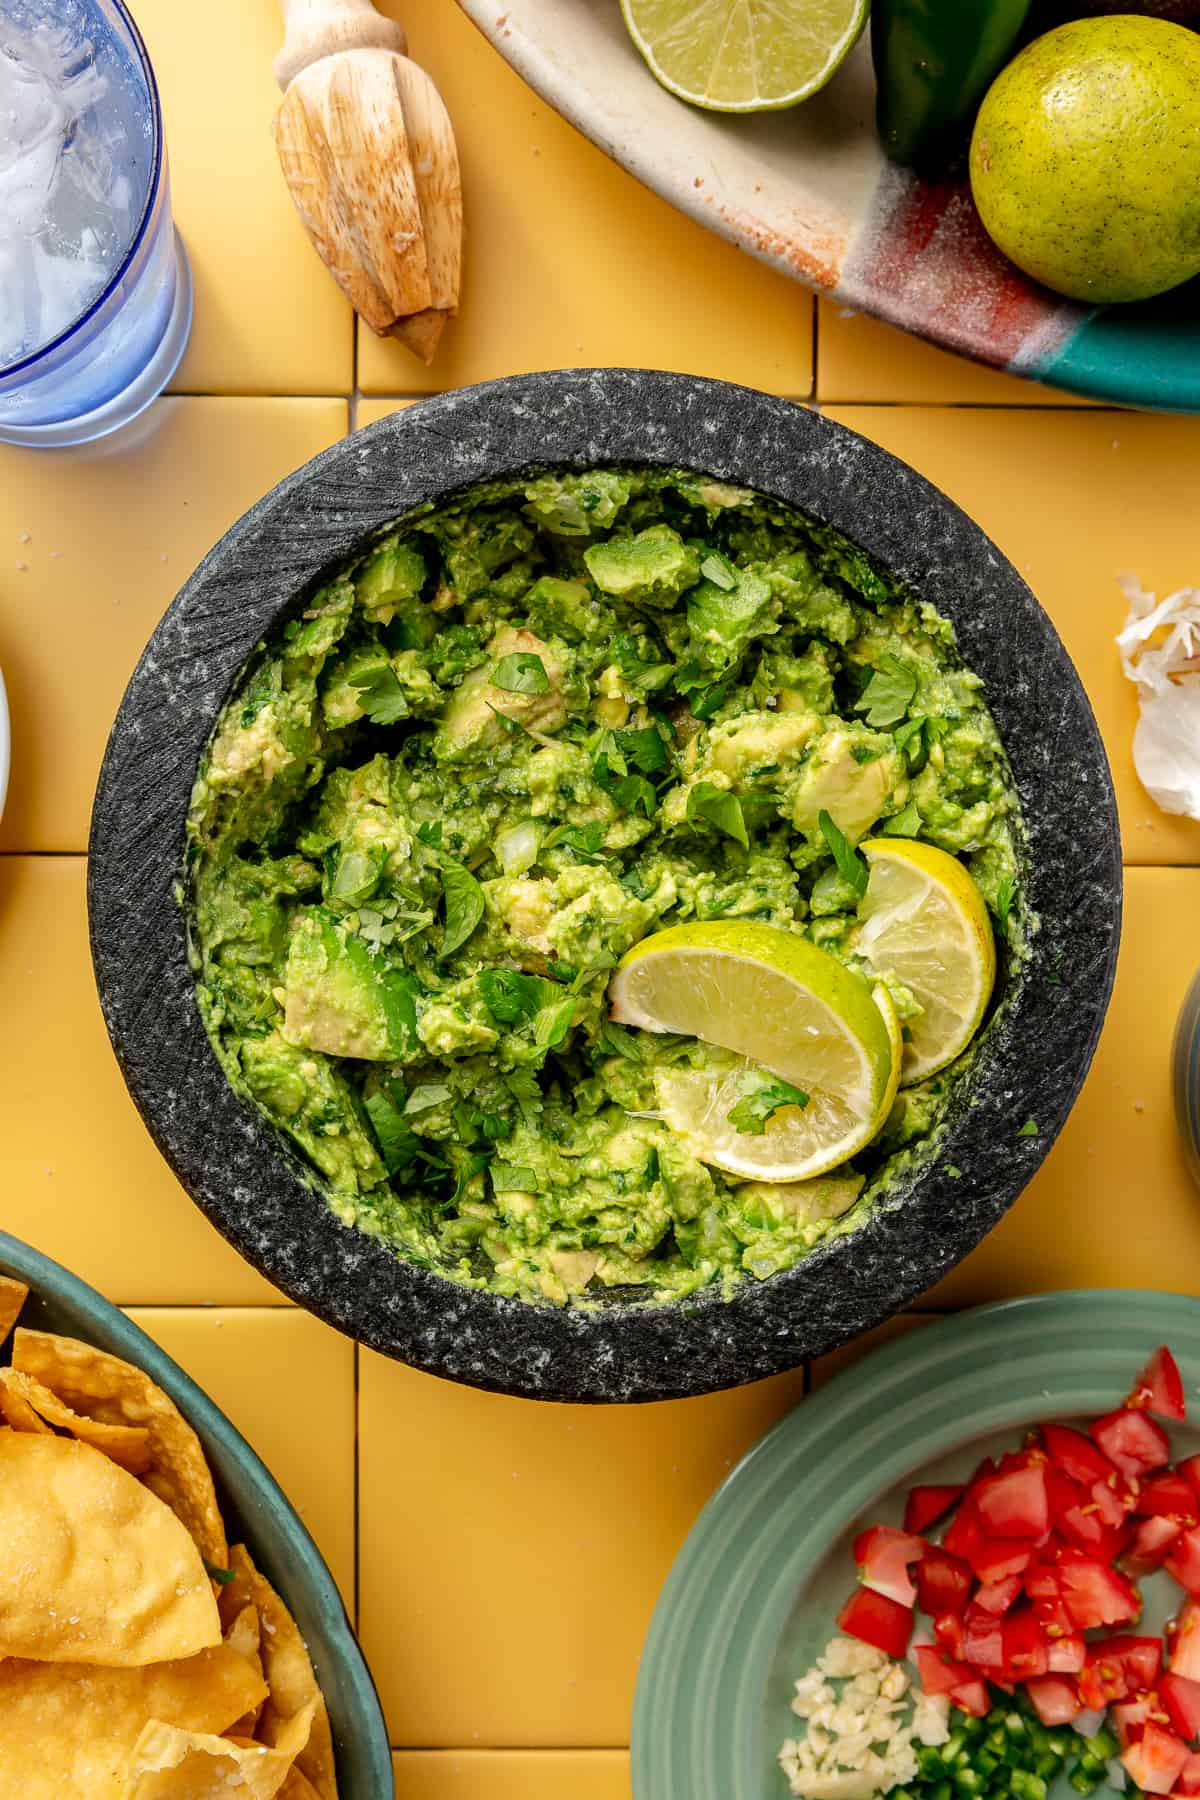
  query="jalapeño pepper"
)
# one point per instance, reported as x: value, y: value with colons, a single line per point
x: 934, y: 61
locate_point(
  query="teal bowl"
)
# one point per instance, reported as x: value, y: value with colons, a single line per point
x: 255, y: 1509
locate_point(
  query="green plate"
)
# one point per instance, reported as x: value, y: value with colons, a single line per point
x: 751, y: 1600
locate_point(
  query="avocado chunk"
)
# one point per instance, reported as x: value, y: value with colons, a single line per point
x: 851, y: 774
x: 651, y: 569
x: 395, y: 573
x: 342, y: 999
x: 474, y: 718
x: 312, y: 1101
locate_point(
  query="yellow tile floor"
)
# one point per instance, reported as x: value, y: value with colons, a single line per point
x: 503, y: 1558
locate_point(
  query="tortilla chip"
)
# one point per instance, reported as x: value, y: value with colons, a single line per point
x: 290, y: 1678
x: 298, y: 1787
x: 17, y: 1411
x: 13, y: 1295
x: 170, y: 1764
x: 100, y: 1386
x: 128, y: 1445
x: 245, y: 1636
x: 67, y: 1729
x: 93, y: 1567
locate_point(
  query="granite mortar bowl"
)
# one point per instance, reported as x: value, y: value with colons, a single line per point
x: 1029, y: 1063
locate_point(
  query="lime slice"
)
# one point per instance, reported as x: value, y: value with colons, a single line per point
x: 744, y: 55
x: 782, y: 1005
x: 924, y: 921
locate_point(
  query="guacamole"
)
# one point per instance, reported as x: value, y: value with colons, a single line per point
x: 521, y: 731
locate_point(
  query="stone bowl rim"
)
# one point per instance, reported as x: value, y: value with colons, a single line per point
x: 235, y: 1166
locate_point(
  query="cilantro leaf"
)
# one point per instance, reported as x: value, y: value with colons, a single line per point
x: 522, y: 1084
x: 521, y: 673
x: 1004, y: 900
x: 720, y: 808
x: 425, y: 1097
x: 552, y: 1023
x: 644, y: 749
x: 398, y: 1142
x: 648, y: 676
x: 383, y: 699
x: 916, y: 737
x: 471, y: 1122
x: 762, y: 1097
x: 905, y: 823
x: 704, y: 695
x: 474, y: 1165
x: 850, y: 864
x: 583, y: 840
x: 431, y: 833
x: 513, y: 1178
x: 464, y: 905
x: 221, y: 1576
x: 1028, y: 1129
x: 954, y: 1172
x: 619, y: 1042
x: 634, y: 792
x: 717, y: 569
x: 889, y: 693
x: 511, y: 996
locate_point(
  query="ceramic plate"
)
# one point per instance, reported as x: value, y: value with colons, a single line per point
x: 810, y: 191
x: 751, y: 1600
x: 254, y: 1508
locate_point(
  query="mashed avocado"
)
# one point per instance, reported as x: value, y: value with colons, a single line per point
x: 519, y: 733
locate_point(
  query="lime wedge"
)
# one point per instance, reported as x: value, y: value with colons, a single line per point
x: 781, y: 1005
x: 744, y: 55
x: 924, y: 921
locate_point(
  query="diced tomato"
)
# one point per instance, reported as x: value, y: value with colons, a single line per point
x: 885, y: 1555
x: 1183, y: 1560
x: 1076, y: 1455
x: 1188, y: 1780
x: 1065, y: 1655
x: 983, y: 1640
x: 877, y: 1620
x: 1169, y: 1496
x: 1159, y: 1387
x: 1115, y: 1498
x: 1150, y: 1543
x: 1094, y: 1594
x: 1117, y: 1667
x: 973, y: 1697
x: 1155, y: 1759
x: 1181, y: 1702
x: 944, y: 1582
x: 1184, y: 1641
x: 1054, y: 1699
x: 963, y: 1532
x: 996, y: 1597
x: 1133, y: 1441
x: 1024, y: 1644
x: 926, y: 1505
x: 939, y: 1673
x: 1189, y: 1468
x: 1086, y: 1529
x: 1130, y: 1717
x: 950, y: 1633
x: 1062, y: 1492
x: 994, y: 1558
x: 1014, y: 1504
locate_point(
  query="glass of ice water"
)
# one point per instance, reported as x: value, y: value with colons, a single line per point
x: 95, y: 294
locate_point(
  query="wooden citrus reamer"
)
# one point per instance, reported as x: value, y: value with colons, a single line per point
x: 368, y: 152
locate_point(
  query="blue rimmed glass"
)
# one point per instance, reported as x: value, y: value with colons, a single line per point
x: 1186, y: 1074
x: 122, y: 349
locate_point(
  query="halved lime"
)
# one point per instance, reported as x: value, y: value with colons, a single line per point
x: 925, y: 921
x: 744, y: 55
x: 783, y: 1005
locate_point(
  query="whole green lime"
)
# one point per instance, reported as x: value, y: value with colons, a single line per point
x: 1085, y: 160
